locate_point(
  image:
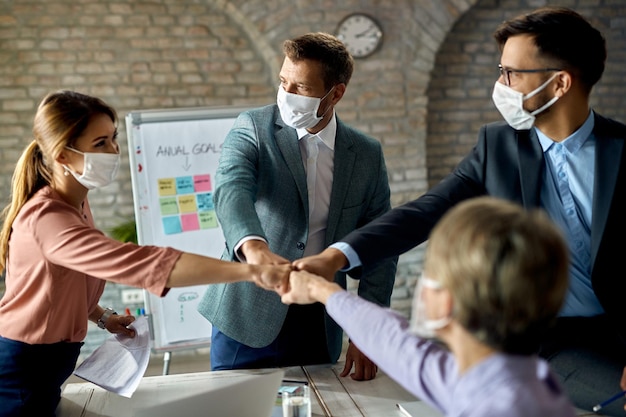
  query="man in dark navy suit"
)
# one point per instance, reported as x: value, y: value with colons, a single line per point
x: 553, y: 152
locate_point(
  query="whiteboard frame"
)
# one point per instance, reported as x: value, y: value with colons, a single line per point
x: 134, y: 119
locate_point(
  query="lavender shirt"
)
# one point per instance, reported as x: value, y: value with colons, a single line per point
x: 501, y: 385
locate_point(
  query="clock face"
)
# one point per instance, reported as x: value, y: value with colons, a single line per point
x: 360, y: 33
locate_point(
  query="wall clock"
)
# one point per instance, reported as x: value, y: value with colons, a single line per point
x: 361, y: 34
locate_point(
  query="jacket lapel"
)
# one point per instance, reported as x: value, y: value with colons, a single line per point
x: 287, y: 141
x: 531, y: 166
x: 608, y: 153
x: 343, y: 171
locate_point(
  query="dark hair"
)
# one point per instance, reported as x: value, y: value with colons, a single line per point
x: 563, y: 36
x: 337, y: 63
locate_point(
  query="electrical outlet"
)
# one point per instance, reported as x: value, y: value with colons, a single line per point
x: 134, y: 296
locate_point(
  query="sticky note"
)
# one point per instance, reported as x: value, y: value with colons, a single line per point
x: 184, y: 185
x: 205, y: 202
x: 167, y: 186
x: 187, y: 203
x: 168, y: 205
x: 202, y: 183
x: 190, y: 222
x: 208, y: 219
x: 171, y: 225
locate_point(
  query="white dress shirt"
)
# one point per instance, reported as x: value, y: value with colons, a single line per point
x: 318, y: 218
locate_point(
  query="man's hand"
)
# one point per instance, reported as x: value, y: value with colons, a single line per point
x: 272, y: 277
x: 256, y: 252
x: 364, y: 368
x: 325, y: 264
x: 118, y: 324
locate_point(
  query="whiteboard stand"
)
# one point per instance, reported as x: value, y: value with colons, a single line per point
x: 166, y: 362
x: 173, y: 155
x: 158, y: 308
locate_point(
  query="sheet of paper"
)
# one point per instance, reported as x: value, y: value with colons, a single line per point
x: 119, y: 364
x: 417, y: 409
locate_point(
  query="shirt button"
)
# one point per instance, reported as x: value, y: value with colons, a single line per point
x: 300, y: 245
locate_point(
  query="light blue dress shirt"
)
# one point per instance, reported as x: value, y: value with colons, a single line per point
x: 567, y: 196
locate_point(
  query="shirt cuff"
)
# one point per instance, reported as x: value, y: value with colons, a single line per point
x: 352, y: 257
x: 238, y: 254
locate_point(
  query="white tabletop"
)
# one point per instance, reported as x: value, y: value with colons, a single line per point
x: 336, y: 396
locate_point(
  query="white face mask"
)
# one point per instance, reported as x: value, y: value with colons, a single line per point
x: 299, y: 112
x: 510, y: 104
x: 99, y: 169
x: 420, y: 324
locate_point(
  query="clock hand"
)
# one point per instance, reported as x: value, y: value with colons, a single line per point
x: 365, y: 32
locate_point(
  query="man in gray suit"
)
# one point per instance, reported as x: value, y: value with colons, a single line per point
x: 292, y: 179
x: 553, y: 152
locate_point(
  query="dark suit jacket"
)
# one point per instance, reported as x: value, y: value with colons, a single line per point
x: 508, y: 164
x: 261, y: 190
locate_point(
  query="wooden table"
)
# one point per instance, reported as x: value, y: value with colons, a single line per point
x: 343, y: 397
x: 336, y: 396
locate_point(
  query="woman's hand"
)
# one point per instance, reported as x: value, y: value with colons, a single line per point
x: 118, y: 324
x: 307, y: 288
x: 272, y: 277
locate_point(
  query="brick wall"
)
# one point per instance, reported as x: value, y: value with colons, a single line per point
x: 423, y: 94
x: 466, y: 68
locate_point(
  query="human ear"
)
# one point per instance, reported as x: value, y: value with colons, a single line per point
x: 563, y: 83
x: 63, y: 157
x: 338, y: 93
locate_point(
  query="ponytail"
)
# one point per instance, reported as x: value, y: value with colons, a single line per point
x: 31, y: 174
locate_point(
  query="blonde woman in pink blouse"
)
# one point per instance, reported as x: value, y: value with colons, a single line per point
x: 57, y: 262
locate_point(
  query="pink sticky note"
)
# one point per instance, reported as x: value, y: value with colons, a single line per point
x: 190, y: 222
x: 202, y: 183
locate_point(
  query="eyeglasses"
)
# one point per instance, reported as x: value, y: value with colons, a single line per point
x: 506, y: 72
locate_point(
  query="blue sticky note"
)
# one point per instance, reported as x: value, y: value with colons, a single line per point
x: 171, y: 225
x: 184, y: 185
x: 205, y: 202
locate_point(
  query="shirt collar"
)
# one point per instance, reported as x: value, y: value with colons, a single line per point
x: 326, y: 135
x: 574, y: 141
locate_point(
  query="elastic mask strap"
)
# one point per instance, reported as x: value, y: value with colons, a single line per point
x: 541, y: 87
x: 75, y: 150
x: 431, y: 283
x: 321, y: 99
x: 545, y: 106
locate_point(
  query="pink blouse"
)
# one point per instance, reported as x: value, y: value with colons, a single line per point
x: 57, y: 266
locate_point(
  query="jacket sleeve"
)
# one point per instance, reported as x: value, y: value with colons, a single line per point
x: 376, y: 284
x: 236, y: 184
x: 409, y: 225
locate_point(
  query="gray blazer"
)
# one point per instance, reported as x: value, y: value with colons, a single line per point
x: 261, y: 190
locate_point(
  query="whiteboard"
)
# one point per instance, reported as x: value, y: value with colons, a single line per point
x: 173, y: 159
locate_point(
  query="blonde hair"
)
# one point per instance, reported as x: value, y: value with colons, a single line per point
x: 61, y: 118
x: 506, y: 268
